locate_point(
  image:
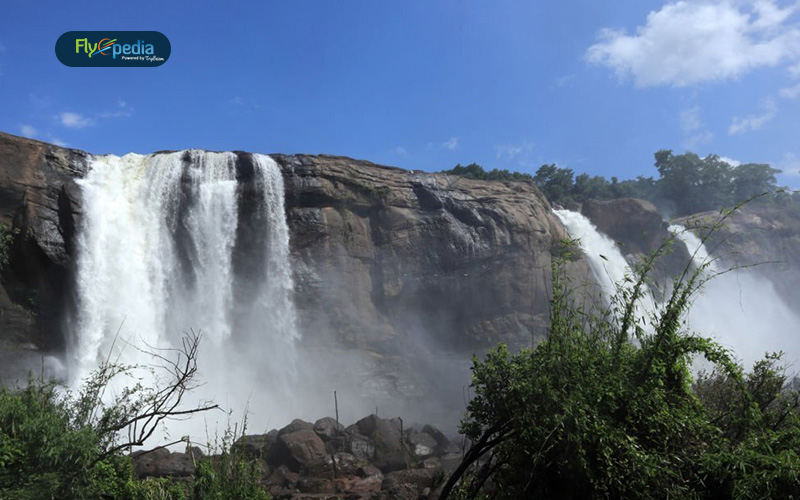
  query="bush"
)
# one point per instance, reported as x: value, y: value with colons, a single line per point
x: 607, y: 407
x: 58, y: 444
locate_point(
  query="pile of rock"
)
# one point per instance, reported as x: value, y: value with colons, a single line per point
x: 373, y: 459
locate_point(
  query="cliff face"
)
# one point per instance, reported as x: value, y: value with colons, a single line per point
x: 383, y: 253
x: 39, y: 202
x: 382, y: 256
x: 639, y: 230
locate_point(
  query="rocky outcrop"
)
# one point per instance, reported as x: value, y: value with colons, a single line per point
x: 305, y: 468
x: 638, y: 228
x: 383, y: 257
x: 40, y: 201
x: 463, y: 262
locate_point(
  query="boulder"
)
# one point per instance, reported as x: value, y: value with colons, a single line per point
x: 389, y: 452
x: 296, y: 425
x: 443, y: 443
x: 162, y: 463
x: 327, y: 428
x: 421, y: 444
x: 303, y: 448
x: 255, y: 446
x: 361, y: 447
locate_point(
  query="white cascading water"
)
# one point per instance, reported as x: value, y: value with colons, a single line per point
x: 606, y: 261
x: 741, y: 309
x: 164, y: 249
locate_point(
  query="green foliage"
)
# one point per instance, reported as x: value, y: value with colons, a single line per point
x: 7, y: 236
x: 46, y: 452
x: 697, y: 184
x: 607, y: 407
x: 229, y: 474
x: 59, y: 444
x: 475, y: 171
x: 687, y: 184
x: 228, y: 477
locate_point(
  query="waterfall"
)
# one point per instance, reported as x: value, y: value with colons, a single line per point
x: 741, y: 309
x: 188, y: 240
x: 608, y: 265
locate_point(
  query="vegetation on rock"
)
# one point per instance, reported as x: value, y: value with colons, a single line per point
x: 7, y: 236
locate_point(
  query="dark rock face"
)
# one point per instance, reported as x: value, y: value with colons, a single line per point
x: 638, y: 228
x: 40, y: 200
x: 163, y: 463
x: 635, y: 224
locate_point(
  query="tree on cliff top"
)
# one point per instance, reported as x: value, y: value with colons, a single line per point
x: 687, y: 184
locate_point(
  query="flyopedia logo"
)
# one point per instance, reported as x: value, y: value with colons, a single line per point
x: 113, y: 48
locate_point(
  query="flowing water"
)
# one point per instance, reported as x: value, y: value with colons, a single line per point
x: 740, y: 309
x: 609, y: 267
x: 167, y: 247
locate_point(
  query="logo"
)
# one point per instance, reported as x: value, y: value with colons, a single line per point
x: 113, y: 48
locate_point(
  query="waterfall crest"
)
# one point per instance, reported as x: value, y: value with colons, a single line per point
x: 187, y: 240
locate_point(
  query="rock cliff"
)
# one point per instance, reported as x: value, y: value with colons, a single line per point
x: 383, y: 257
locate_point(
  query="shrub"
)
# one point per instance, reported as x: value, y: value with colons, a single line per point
x: 607, y: 407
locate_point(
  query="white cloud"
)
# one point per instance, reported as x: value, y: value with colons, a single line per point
x: 28, y: 130
x: 790, y: 92
x: 690, y: 119
x: 730, y: 161
x: 400, y: 151
x: 694, y: 133
x: 122, y: 110
x: 514, y: 152
x: 789, y: 165
x: 689, y: 42
x: 58, y: 142
x: 74, y: 120
x: 754, y: 122
x: 450, y: 144
x: 564, y: 81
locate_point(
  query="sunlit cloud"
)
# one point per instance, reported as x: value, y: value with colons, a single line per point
x: 686, y: 43
x: 756, y: 121
x: 450, y: 144
x: 70, y: 119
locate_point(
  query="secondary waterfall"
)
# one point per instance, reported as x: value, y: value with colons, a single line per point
x: 739, y: 309
x: 188, y: 240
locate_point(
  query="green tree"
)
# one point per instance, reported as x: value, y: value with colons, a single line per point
x: 556, y: 183
x: 753, y: 179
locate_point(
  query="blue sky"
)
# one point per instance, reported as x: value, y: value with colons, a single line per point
x: 594, y: 86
